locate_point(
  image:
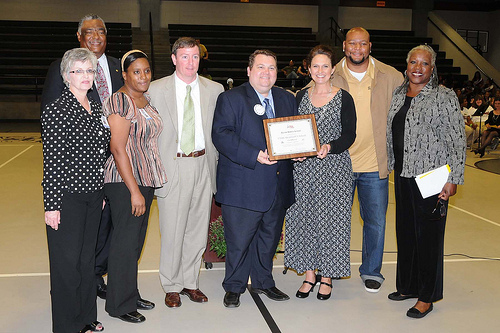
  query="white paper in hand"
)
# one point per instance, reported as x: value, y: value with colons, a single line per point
x: 432, y: 182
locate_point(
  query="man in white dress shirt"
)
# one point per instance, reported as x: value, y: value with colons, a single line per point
x: 186, y: 103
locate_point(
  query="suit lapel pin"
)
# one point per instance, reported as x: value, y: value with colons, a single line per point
x: 259, y: 109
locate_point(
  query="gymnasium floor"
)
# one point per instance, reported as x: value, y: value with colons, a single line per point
x: 472, y: 291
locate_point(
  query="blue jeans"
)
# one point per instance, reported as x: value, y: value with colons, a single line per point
x: 373, y: 194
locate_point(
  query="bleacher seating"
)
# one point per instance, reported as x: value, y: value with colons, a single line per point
x: 230, y: 46
x: 391, y: 47
x: 28, y: 47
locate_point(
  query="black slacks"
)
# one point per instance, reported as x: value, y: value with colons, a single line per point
x: 420, y: 239
x: 72, y: 260
x: 251, y: 240
x: 129, y: 233
x: 103, y: 243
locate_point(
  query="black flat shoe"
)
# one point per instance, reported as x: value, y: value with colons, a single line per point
x: 144, y: 304
x: 301, y: 294
x: 396, y: 296
x: 324, y: 297
x: 132, y: 317
x: 273, y: 293
x: 231, y: 300
x: 415, y: 313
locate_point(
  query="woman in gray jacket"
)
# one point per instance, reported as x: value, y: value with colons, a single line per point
x: 425, y: 131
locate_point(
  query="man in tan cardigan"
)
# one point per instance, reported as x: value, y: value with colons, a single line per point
x: 371, y: 84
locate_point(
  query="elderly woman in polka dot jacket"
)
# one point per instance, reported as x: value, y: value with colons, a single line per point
x: 75, y: 137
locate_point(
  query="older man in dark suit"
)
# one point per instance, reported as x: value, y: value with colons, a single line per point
x: 254, y: 191
x: 92, y: 35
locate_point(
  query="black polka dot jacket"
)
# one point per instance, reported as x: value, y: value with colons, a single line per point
x: 74, y: 149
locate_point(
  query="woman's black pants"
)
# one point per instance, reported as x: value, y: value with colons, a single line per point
x: 127, y: 240
x: 420, y: 240
x: 72, y: 260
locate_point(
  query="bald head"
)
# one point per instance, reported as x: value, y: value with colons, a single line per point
x: 357, y: 48
x: 358, y: 30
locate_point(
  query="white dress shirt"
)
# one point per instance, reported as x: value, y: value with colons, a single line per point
x: 180, y: 95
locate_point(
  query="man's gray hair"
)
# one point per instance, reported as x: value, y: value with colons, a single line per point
x: 74, y: 55
x: 426, y: 48
x: 91, y: 17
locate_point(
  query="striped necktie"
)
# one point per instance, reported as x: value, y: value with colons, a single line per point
x: 269, y: 109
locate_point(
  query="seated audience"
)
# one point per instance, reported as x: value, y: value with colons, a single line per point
x: 492, y: 128
x: 471, y: 128
x: 477, y: 81
x: 290, y: 72
x: 303, y: 72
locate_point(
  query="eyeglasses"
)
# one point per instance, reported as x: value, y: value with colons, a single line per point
x: 439, y: 209
x: 81, y: 71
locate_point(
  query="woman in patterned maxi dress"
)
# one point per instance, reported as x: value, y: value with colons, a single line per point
x: 318, y: 225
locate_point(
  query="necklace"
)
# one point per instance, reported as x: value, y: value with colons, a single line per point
x: 329, y: 92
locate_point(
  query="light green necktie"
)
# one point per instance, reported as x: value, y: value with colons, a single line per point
x: 187, y: 137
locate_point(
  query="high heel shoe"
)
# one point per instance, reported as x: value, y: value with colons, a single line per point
x: 318, y: 278
x: 301, y: 294
x: 324, y: 297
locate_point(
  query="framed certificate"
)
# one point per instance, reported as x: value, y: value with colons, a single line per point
x: 291, y: 137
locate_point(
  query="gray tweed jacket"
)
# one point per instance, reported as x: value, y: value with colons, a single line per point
x: 434, y: 131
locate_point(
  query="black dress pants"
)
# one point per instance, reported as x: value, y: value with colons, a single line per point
x: 127, y: 241
x: 103, y: 243
x: 420, y: 239
x: 251, y: 239
x: 72, y: 260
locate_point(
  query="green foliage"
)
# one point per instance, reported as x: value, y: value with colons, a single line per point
x: 217, y: 241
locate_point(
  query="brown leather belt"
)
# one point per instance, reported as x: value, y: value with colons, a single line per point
x: 193, y: 154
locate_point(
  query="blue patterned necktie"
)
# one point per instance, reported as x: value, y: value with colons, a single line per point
x: 269, y: 109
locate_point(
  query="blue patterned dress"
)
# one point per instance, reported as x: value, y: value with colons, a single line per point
x: 318, y: 225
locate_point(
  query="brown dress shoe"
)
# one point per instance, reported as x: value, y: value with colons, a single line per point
x: 172, y: 300
x: 195, y: 295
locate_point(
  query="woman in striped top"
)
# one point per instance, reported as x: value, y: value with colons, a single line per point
x: 131, y: 174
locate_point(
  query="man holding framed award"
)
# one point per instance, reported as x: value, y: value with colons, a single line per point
x: 253, y: 190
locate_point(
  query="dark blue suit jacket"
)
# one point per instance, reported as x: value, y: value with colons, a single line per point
x: 238, y: 135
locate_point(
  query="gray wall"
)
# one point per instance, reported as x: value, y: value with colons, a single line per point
x: 478, y: 21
